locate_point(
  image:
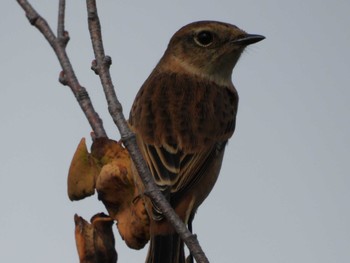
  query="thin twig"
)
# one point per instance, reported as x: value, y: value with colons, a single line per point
x: 101, y: 67
x: 61, y: 14
x: 67, y: 76
x: 62, y: 34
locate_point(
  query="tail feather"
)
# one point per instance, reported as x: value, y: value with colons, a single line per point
x: 166, y: 249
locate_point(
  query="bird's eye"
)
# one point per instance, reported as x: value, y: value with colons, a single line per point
x: 204, y: 38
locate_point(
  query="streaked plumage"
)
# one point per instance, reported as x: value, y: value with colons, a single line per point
x: 183, y: 116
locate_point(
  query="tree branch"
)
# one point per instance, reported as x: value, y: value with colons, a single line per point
x: 61, y: 14
x: 67, y: 76
x: 101, y: 67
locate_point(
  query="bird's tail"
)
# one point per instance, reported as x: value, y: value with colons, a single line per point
x: 166, y: 249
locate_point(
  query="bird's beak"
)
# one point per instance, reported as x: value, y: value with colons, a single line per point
x: 248, y: 39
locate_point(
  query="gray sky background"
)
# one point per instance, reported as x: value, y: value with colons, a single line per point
x: 283, y: 193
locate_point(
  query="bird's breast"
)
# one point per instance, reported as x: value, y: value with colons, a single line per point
x: 183, y: 111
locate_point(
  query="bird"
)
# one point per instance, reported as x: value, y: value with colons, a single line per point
x: 183, y: 116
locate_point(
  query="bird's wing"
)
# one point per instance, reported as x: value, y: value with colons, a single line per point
x: 176, y: 172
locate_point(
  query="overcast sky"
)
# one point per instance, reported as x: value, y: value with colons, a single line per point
x: 283, y: 192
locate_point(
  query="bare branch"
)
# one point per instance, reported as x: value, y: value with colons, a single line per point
x: 62, y: 35
x: 67, y: 77
x: 61, y: 14
x: 101, y: 67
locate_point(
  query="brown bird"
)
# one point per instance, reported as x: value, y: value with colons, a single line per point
x: 183, y: 116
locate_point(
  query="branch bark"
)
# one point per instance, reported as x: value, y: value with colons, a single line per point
x: 61, y: 14
x: 67, y: 76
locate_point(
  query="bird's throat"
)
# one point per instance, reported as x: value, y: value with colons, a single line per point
x: 220, y: 76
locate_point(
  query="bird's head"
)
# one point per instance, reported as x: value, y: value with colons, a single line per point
x: 207, y: 48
